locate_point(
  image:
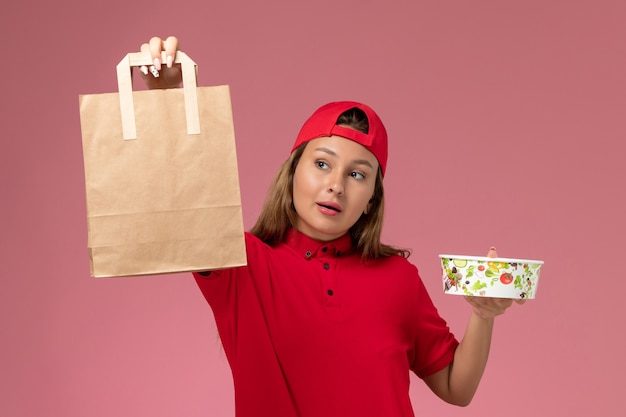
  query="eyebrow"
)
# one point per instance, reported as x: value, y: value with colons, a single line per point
x: 356, y: 161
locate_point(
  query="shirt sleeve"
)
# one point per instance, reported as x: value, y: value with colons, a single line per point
x: 219, y: 286
x: 434, y: 343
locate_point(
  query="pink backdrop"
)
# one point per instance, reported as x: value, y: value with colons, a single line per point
x: 507, y: 126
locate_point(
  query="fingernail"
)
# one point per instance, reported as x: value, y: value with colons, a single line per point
x: 144, y: 69
x: 157, y: 63
x: 154, y: 71
x: 170, y: 60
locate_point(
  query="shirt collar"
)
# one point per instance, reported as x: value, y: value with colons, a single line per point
x: 312, y: 248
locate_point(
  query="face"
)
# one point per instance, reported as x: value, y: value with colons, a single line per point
x: 332, y: 186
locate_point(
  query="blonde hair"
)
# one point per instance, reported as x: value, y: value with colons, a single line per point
x: 278, y: 214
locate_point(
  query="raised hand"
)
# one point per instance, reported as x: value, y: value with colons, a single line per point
x: 161, y: 74
x: 489, y: 307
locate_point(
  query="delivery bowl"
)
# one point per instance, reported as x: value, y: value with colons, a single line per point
x: 490, y: 277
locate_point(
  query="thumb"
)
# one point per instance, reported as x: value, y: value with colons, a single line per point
x: 492, y: 252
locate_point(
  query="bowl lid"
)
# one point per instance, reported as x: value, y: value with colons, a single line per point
x: 488, y: 259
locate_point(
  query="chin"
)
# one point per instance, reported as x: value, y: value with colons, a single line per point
x: 321, y: 234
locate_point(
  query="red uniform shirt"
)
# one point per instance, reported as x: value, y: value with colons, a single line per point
x: 309, y: 329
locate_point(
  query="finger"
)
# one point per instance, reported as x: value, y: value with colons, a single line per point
x: 488, y: 307
x: 481, y: 309
x: 520, y: 301
x: 504, y: 302
x: 171, y: 46
x: 492, y: 253
x: 493, y: 303
x: 156, y: 47
x: 145, y: 48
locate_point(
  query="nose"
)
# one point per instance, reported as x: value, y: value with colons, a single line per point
x: 335, y: 184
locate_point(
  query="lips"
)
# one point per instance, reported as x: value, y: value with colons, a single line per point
x: 330, y: 206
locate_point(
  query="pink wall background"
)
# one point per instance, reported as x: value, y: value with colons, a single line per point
x: 507, y: 127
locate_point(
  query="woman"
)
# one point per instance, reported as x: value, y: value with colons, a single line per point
x: 326, y: 320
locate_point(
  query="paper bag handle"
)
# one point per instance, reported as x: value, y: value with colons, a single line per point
x: 125, y: 87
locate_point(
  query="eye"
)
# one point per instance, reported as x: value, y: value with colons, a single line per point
x: 321, y: 164
x: 357, y: 175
